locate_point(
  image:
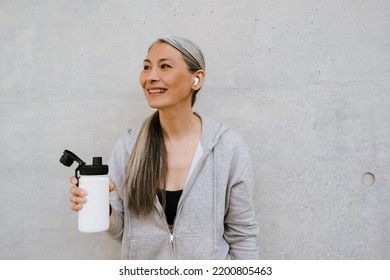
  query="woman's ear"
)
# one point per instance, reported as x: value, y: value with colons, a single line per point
x: 199, y: 77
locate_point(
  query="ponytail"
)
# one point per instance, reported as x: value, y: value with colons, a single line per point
x: 147, y: 168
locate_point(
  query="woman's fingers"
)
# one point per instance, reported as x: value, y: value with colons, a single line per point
x: 73, y: 180
x: 78, y: 191
x: 112, y: 186
x: 77, y: 198
x: 76, y: 207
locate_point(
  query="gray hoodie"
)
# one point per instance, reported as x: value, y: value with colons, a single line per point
x: 215, y: 217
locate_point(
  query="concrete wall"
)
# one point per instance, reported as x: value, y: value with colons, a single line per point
x: 306, y: 82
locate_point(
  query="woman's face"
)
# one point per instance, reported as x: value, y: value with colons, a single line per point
x: 165, y: 79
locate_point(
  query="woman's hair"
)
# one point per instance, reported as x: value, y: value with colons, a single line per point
x: 147, y: 168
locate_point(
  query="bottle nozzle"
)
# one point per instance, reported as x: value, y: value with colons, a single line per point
x: 97, y: 161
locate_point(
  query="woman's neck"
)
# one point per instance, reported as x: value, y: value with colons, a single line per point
x: 177, y: 126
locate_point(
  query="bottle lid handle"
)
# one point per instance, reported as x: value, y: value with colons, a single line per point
x: 68, y: 158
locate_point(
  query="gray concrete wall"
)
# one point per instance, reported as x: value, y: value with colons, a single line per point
x: 306, y: 82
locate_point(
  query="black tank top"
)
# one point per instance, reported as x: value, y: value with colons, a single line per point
x: 172, y: 200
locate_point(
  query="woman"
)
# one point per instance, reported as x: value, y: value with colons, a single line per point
x: 181, y: 183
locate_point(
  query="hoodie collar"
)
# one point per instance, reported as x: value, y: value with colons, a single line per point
x: 211, y: 131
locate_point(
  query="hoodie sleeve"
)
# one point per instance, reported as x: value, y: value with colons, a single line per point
x: 117, y: 168
x: 240, y: 223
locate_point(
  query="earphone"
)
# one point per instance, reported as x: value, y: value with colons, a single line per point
x: 196, y: 81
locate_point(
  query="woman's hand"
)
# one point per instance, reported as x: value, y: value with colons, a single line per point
x: 78, y: 194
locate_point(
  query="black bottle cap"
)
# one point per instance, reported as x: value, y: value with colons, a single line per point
x: 97, y: 168
x: 68, y: 158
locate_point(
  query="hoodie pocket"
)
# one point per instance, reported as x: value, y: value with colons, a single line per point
x: 150, y: 248
x: 190, y: 247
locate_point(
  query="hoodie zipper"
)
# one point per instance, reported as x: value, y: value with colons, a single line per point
x: 160, y: 210
x: 171, y: 239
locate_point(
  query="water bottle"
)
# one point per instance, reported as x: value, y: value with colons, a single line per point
x: 94, y: 215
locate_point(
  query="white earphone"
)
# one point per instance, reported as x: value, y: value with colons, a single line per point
x: 196, y: 81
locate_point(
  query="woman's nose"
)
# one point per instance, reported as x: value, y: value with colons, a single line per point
x: 153, y: 75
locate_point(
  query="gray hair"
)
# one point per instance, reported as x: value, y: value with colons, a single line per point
x: 191, y: 52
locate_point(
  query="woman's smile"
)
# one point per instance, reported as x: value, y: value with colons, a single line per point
x: 156, y: 91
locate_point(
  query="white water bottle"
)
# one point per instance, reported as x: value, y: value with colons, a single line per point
x: 94, y: 215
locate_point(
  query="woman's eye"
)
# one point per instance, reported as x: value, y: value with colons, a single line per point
x: 165, y: 66
x: 146, y: 67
